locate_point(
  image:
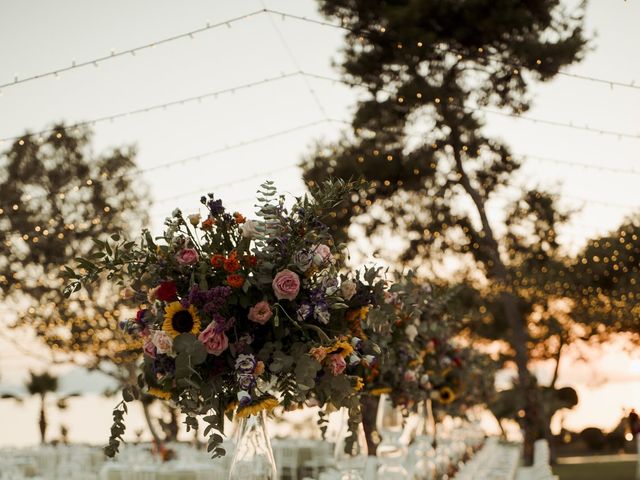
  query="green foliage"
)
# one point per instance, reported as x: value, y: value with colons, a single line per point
x: 41, y: 384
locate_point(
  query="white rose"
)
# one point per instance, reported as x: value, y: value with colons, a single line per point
x: 322, y: 255
x: 424, y: 380
x: 411, y: 332
x: 162, y: 341
x: 348, y: 289
x: 249, y: 229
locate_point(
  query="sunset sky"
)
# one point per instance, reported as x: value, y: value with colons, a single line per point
x: 597, y: 173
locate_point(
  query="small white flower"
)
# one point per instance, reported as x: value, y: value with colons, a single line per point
x: 411, y: 332
x: 368, y: 360
x: 348, y: 289
x: 354, y: 359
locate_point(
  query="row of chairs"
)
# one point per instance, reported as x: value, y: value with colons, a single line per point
x: 495, y: 461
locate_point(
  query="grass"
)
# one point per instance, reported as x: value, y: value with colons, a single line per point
x: 596, y: 471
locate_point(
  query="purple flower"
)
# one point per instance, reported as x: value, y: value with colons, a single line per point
x: 215, y: 206
x: 246, y: 382
x: 245, y: 363
x: 302, y: 260
x: 330, y: 285
x: 304, y: 311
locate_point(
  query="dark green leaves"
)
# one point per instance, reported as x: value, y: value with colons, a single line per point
x: 117, y: 430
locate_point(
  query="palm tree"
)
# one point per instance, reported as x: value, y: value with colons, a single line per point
x: 41, y: 385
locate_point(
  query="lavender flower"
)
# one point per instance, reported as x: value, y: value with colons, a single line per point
x: 302, y: 260
x: 304, y: 311
x: 246, y: 382
x: 245, y: 363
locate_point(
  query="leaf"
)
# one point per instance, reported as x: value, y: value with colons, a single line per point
x: 184, y: 342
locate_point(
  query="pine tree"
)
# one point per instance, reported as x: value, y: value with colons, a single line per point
x: 429, y: 68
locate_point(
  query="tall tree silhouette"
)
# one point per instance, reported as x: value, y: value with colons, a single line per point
x: 56, y: 198
x: 428, y: 69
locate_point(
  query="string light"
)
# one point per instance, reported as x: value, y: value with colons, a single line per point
x: 130, y: 51
x: 491, y: 112
x: 186, y: 160
x: 156, y: 107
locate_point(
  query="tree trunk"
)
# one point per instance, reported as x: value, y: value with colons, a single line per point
x: 553, y: 450
x: 43, y: 419
x: 152, y: 428
x: 498, y: 272
x: 369, y: 406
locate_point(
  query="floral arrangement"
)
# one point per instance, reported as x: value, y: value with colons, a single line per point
x: 413, y: 329
x: 237, y: 316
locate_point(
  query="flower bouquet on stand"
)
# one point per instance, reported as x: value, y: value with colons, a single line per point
x: 411, y: 318
x: 238, y: 316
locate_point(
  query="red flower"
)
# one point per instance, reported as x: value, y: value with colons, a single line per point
x: 167, y: 291
x: 217, y: 260
x: 231, y: 265
x: 235, y: 280
x: 250, y: 260
x: 208, y: 224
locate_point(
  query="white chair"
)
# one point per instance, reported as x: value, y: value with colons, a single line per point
x: 287, y: 460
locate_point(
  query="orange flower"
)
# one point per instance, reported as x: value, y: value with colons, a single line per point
x: 208, y: 224
x: 235, y: 280
x: 231, y: 265
x: 217, y: 260
x: 239, y: 218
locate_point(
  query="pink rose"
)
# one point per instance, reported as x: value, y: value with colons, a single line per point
x: 215, y: 342
x: 187, y: 256
x: 162, y: 341
x: 336, y: 364
x: 410, y: 376
x: 322, y: 255
x: 149, y: 348
x: 286, y: 285
x: 260, y: 313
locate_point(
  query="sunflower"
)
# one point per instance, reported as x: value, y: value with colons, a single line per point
x: 178, y: 319
x: 342, y: 347
x: 446, y: 395
x: 359, y: 384
x: 376, y: 392
x: 265, y: 403
x: 158, y: 393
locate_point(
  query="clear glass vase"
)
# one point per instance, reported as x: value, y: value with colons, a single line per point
x: 350, y: 457
x: 422, y: 453
x: 253, y: 457
x: 391, y: 452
